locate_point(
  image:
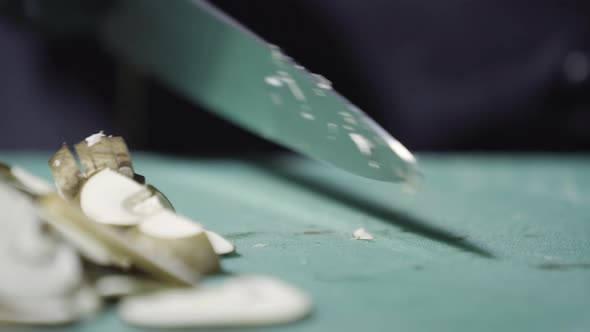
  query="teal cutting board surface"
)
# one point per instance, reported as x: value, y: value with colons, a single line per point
x: 487, y: 243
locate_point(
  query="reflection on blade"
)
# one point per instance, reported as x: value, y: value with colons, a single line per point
x: 210, y: 59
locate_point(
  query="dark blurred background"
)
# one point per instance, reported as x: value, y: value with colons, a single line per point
x: 439, y: 75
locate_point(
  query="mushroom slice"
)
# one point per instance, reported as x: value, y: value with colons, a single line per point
x: 116, y: 246
x: 98, y: 152
x: 42, y: 279
x: 53, y: 310
x: 220, y: 244
x: 119, y: 285
x: 65, y: 172
x: 164, y: 201
x: 121, y: 152
x: 101, y: 152
x: 240, y: 301
x: 179, y: 237
x: 30, y: 182
x: 110, y: 198
x: 85, y: 158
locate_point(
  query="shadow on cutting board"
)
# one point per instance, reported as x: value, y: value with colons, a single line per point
x: 398, y: 218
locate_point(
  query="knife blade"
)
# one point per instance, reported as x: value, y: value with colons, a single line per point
x: 212, y: 60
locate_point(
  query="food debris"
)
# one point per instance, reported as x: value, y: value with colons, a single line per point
x: 362, y: 234
x: 94, y: 138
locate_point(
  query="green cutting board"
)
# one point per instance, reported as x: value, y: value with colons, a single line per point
x: 488, y: 243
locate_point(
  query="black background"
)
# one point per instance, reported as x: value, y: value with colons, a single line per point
x: 439, y: 75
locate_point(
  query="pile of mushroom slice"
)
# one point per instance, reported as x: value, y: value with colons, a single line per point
x: 108, y: 192
x: 42, y: 280
x: 129, y: 245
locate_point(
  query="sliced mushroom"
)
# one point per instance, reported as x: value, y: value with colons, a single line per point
x: 119, y: 285
x: 65, y: 172
x: 111, y: 198
x: 32, y: 183
x: 178, y: 237
x: 164, y: 201
x: 117, y: 247
x: 85, y: 158
x: 241, y: 301
x: 121, y: 152
x: 98, y: 152
x: 220, y: 244
x: 42, y: 279
x: 67, y: 308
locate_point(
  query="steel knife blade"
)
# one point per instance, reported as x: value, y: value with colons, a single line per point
x: 203, y: 54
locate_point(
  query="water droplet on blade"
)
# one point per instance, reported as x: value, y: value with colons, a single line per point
x: 374, y: 164
x: 276, y: 99
x: 322, y: 82
x: 362, y: 143
x: 350, y: 120
x: 307, y: 116
x: 273, y: 80
x: 319, y: 92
